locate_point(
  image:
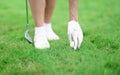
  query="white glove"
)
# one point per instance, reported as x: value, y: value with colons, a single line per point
x: 75, y: 34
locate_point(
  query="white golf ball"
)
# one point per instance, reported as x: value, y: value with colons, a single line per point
x: 72, y: 44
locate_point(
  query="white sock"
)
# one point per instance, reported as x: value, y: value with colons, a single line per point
x: 50, y: 34
x: 40, y: 39
x: 38, y: 30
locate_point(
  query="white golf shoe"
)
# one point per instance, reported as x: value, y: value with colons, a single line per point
x: 40, y: 39
x: 50, y: 34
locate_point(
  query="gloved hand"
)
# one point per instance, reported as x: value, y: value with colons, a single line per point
x: 75, y: 34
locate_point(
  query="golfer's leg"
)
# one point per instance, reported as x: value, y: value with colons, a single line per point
x: 74, y: 29
x: 50, y: 5
x: 38, y: 10
x: 73, y: 10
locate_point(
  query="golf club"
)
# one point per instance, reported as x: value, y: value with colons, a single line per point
x: 27, y: 35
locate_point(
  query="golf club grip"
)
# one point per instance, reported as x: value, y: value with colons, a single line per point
x: 27, y: 12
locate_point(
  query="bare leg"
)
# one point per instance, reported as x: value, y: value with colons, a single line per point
x: 38, y: 12
x: 50, y: 5
x: 73, y: 10
x: 50, y: 34
x: 38, y: 8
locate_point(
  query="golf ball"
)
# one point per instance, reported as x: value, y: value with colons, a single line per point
x: 72, y: 44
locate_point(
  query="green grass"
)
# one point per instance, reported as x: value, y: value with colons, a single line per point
x: 99, y: 53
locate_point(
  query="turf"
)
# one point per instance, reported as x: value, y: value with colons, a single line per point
x: 99, y: 53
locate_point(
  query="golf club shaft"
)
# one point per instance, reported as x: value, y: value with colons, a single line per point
x: 27, y: 12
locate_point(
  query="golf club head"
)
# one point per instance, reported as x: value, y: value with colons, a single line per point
x: 27, y: 35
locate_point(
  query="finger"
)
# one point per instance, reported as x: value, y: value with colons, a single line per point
x: 75, y: 41
x: 71, y: 40
x: 79, y: 41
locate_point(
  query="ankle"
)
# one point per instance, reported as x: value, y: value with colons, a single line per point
x: 47, y: 25
x: 39, y: 30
